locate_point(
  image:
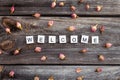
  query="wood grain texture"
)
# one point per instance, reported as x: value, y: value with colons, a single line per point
x: 61, y: 72
x: 29, y: 7
x: 34, y: 27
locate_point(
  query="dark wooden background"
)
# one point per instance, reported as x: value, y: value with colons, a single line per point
x: 27, y: 64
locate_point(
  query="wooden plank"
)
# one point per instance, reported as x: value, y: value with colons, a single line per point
x: 62, y: 72
x: 29, y: 7
x: 35, y: 27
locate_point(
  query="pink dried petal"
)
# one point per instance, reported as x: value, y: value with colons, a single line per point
x: 101, y: 57
x: 74, y: 16
x: 43, y: 58
x: 11, y: 74
x: 98, y: 70
x: 37, y: 15
x: 61, y: 4
x: 87, y: 6
x: 62, y: 56
x: 99, y: 8
x: 12, y: 9
x: 53, y: 4
x: 38, y: 49
x: 108, y: 45
x: 50, y: 23
x: 18, y: 25
x: 1, y: 52
x: 73, y: 8
x: 102, y: 29
x: 8, y: 30
x: 94, y: 28
x: 78, y: 70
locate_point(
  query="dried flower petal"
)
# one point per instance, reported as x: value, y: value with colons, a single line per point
x: 37, y: 15
x: 108, y: 45
x: 62, y: 56
x: 18, y: 25
x: 16, y: 52
x: 53, y: 4
x: 71, y: 28
x: 74, y: 16
x: 83, y: 51
x: 78, y: 70
x: 1, y: 68
x: 73, y: 8
x: 98, y: 70
x: 50, y: 23
x: 1, y: 52
x: 87, y: 6
x: 11, y: 74
x: 81, y: 1
x: 8, y: 30
x: 36, y: 78
x: 12, y: 9
x: 51, y: 78
x: 61, y: 4
x: 99, y: 8
x: 80, y: 78
x: 102, y: 29
x: 38, y: 49
x: 94, y: 28
x: 43, y: 58
x: 101, y: 57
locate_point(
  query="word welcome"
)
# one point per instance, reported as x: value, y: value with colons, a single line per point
x: 62, y: 39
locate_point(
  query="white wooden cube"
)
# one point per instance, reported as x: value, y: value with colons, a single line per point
x: 62, y: 39
x: 73, y: 39
x: 52, y: 39
x: 84, y: 39
x: 29, y: 39
x: 41, y: 39
x: 95, y: 39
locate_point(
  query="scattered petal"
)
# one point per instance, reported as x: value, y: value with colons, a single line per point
x: 61, y: 4
x: 81, y: 1
x: 37, y: 15
x: 18, y: 25
x: 53, y: 4
x: 99, y: 8
x: 1, y: 52
x: 38, y: 49
x: 102, y: 29
x: 62, y: 56
x: 78, y: 70
x: 108, y: 45
x: 8, y: 30
x: 50, y: 23
x: 73, y: 8
x: 51, y: 78
x: 94, y: 28
x: 1, y: 68
x: 84, y: 50
x: 101, y: 57
x: 80, y: 78
x: 87, y: 6
x: 36, y: 78
x: 12, y: 9
x: 71, y: 28
x: 98, y: 70
x: 11, y: 74
x: 43, y: 58
x: 74, y: 16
